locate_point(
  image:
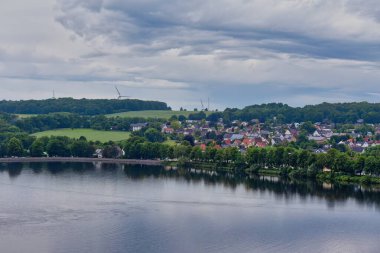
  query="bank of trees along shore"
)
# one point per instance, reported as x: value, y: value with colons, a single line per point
x: 280, y: 158
x: 283, y: 159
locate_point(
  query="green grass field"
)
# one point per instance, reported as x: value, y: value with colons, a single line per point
x: 152, y: 114
x: 90, y: 134
x: 22, y: 116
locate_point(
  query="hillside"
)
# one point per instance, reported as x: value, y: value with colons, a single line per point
x: 159, y: 114
x: 333, y: 112
x: 90, y: 134
x: 80, y: 106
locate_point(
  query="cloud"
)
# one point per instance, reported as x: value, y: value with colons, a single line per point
x: 236, y: 52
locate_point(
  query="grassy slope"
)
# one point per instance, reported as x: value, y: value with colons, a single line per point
x: 90, y: 134
x: 152, y: 114
x: 22, y: 116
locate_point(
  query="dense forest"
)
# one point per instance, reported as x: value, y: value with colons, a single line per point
x: 80, y: 106
x: 69, y: 120
x: 282, y: 113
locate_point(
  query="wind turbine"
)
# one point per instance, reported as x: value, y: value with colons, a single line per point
x: 202, y: 105
x: 119, y: 94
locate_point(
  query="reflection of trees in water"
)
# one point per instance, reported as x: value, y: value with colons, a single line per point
x: 36, y: 167
x: 139, y: 172
x: 79, y: 168
x: 14, y: 169
x: 282, y: 188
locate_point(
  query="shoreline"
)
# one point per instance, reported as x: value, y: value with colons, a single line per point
x: 78, y: 159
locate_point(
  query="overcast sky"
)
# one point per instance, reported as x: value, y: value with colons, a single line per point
x: 237, y: 52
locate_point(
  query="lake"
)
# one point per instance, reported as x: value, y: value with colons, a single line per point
x: 83, y: 207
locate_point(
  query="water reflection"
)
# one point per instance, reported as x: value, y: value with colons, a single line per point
x: 123, y: 208
x: 282, y: 188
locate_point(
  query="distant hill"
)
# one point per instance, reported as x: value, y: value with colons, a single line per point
x: 80, y: 106
x: 332, y: 112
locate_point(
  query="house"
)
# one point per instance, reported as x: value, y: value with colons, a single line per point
x: 358, y: 149
x: 237, y: 137
x: 248, y: 142
x: 360, y: 121
x: 98, y: 153
x: 319, y: 151
x: 167, y: 130
x: 138, y: 126
x: 327, y: 132
x: 261, y: 144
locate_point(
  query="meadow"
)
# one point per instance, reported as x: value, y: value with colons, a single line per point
x: 90, y: 134
x: 160, y: 114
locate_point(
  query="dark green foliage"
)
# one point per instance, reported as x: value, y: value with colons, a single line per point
x: 37, y: 148
x: 197, y: 116
x: 282, y: 113
x: 69, y: 120
x: 308, y: 127
x: 82, y: 148
x: 154, y: 135
x: 58, y: 147
x: 80, y: 106
x: 14, y: 147
x: 190, y: 139
x: 112, y: 151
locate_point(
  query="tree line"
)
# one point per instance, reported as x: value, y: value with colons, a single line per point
x: 69, y: 120
x: 79, y: 106
x: 282, y: 158
x: 283, y: 113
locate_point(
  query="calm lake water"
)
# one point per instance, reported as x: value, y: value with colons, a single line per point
x: 112, y: 208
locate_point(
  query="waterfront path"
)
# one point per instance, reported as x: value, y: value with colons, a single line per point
x: 77, y: 159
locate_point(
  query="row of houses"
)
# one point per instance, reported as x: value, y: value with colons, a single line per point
x: 245, y: 134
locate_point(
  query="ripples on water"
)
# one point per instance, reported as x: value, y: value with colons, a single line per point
x: 111, y: 208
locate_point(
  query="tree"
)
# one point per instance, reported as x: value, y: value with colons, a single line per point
x: 190, y: 139
x: 308, y: 127
x: 56, y: 147
x: 81, y: 148
x: 196, y: 153
x: 37, y: 148
x: 181, y: 118
x: 14, y: 147
x: 343, y: 163
x: 112, y: 151
x: 153, y: 135
x: 370, y: 165
x: 359, y: 164
x: 175, y: 124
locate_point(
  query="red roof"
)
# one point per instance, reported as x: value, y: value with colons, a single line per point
x: 227, y: 141
x: 261, y: 144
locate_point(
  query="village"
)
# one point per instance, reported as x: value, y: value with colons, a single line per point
x: 318, y: 137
